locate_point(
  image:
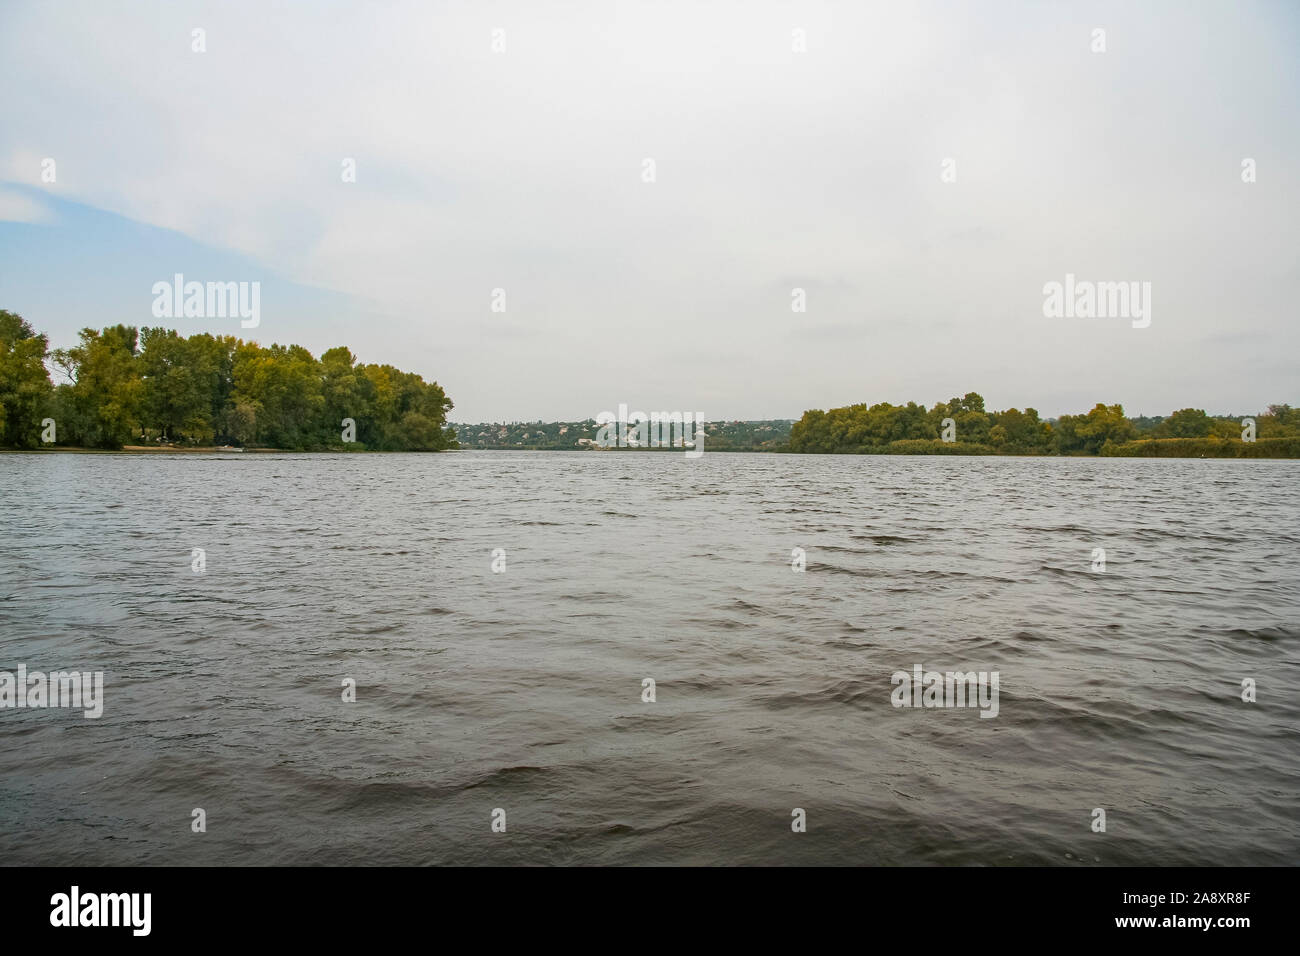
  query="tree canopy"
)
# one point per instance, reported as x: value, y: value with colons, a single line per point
x: 1105, y: 430
x: 24, y: 382
x: 126, y: 385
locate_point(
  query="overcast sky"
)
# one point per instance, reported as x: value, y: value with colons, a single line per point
x: 524, y: 170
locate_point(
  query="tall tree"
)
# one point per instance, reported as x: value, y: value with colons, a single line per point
x: 24, y: 381
x: 102, y: 407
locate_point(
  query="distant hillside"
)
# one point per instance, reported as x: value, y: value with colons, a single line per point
x: 914, y: 430
x: 577, y: 436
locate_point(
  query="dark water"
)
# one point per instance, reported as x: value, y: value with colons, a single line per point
x: 521, y: 690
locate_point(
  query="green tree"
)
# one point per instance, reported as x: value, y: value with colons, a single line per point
x: 102, y: 405
x: 283, y: 387
x: 1185, y: 423
x: 1022, y: 432
x: 182, y: 381
x: 25, y: 386
x: 1087, y: 433
x: 344, y: 389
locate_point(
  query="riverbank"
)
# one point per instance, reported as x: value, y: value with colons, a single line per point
x: 1271, y: 450
x: 208, y: 450
x: 131, y: 449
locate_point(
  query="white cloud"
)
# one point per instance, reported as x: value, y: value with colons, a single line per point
x: 21, y: 207
x: 522, y: 170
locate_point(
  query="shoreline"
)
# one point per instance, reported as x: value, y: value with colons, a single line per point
x: 216, y: 450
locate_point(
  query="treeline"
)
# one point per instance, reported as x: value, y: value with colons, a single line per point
x: 913, y: 429
x: 136, y: 386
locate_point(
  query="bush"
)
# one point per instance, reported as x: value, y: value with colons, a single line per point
x: 1211, y: 447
